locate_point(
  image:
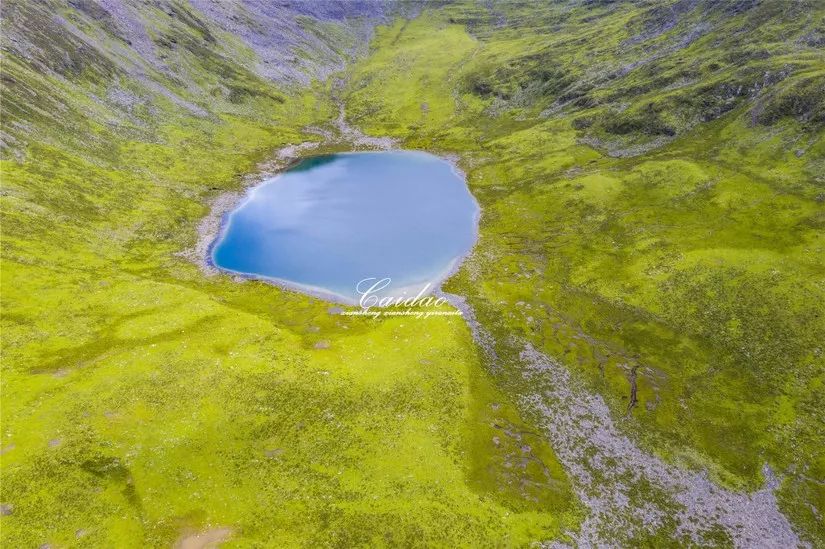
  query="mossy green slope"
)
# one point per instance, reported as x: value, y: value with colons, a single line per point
x: 143, y: 401
x: 651, y: 180
x: 650, y: 176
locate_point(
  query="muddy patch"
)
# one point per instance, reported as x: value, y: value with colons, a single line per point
x: 205, y: 540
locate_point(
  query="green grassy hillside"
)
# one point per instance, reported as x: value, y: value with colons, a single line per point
x: 143, y: 401
x: 652, y: 182
x: 652, y: 191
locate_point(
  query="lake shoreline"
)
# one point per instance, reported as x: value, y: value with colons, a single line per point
x: 210, y: 228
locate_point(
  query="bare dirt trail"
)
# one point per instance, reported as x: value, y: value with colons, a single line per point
x: 210, y: 539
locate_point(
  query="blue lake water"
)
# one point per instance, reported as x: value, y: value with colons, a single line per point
x: 333, y: 221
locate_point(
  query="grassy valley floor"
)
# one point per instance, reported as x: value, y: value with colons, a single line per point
x: 645, y: 295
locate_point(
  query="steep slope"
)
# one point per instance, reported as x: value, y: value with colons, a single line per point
x: 144, y: 401
x: 651, y: 182
x: 648, y: 283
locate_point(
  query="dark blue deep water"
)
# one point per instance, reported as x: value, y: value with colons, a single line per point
x: 333, y: 221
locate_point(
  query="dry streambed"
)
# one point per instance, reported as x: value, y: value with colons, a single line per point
x: 628, y: 492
